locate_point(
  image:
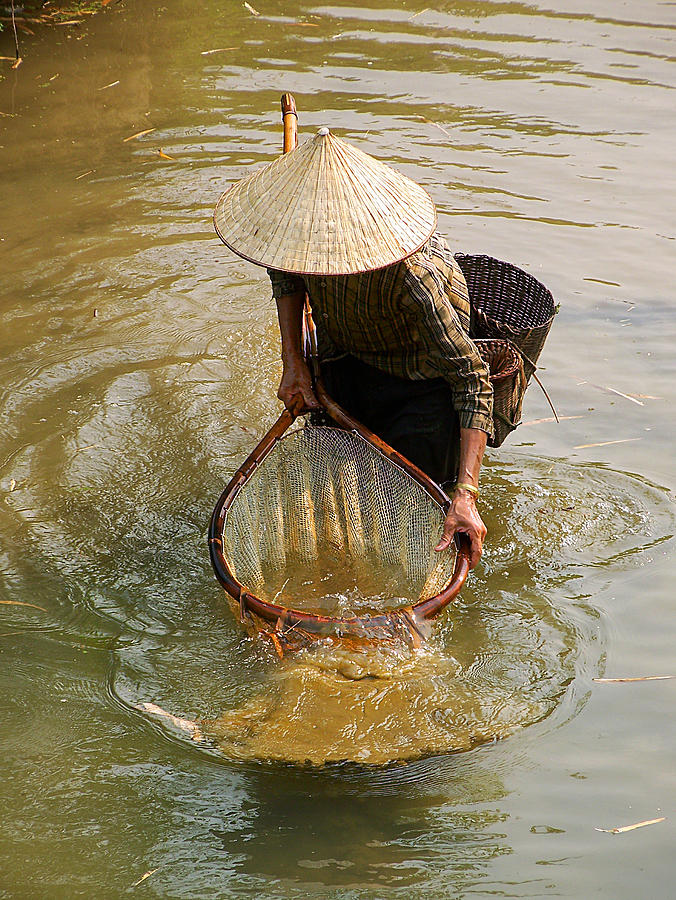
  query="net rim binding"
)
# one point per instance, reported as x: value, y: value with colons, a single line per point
x: 314, y: 624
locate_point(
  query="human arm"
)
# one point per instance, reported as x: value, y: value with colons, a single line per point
x: 463, y: 515
x: 295, y: 389
x: 447, y: 351
x: 440, y: 345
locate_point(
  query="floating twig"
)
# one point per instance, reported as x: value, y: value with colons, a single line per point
x: 436, y: 125
x: 84, y: 174
x: 106, y: 86
x: 605, y: 443
x: 163, y: 155
x: 18, y: 60
x: 623, y: 828
x: 550, y: 419
x: 137, y: 135
x: 144, y: 876
x: 254, y: 12
x: 216, y: 50
x: 21, y: 603
x: 638, y: 678
x: 622, y: 394
x: 610, y: 390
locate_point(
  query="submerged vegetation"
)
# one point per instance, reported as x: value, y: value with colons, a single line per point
x: 21, y: 19
x: 50, y: 12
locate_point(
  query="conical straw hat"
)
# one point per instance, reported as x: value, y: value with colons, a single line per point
x: 325, y: 208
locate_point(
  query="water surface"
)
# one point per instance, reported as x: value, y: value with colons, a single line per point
x: 139, y: 362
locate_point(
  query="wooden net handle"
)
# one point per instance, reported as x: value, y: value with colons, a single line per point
x: 290, y: 122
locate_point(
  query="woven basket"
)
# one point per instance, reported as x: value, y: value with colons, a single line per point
x: 508, y: 303
x: 509, y: 385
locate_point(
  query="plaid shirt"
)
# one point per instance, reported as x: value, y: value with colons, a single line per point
x: 410, y: 319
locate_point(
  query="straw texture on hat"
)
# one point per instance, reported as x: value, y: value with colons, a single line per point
x: 325, y: 208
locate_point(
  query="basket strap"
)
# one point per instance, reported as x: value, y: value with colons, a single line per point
x: 549, y: 400
x: 522, y: 354
x: 542, y: 387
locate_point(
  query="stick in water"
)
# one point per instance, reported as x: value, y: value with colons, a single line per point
x: 623, y: 828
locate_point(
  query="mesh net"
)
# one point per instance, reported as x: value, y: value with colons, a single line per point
x: 328, y: 524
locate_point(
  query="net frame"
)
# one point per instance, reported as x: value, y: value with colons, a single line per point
x: 405, y: 620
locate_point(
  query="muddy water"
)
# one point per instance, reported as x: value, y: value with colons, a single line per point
x: 138, y: 365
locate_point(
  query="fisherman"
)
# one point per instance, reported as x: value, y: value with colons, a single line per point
x: 389, y: 302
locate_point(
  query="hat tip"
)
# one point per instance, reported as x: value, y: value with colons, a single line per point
x: 323, y: 131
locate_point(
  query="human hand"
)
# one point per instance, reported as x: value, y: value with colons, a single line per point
x: 295, y: 389
x: 464, y: 517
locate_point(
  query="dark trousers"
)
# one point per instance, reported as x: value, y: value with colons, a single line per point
x: 417, y: 418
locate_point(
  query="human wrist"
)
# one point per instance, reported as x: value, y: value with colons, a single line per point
x: 292, y: 357
x: 466, y: 490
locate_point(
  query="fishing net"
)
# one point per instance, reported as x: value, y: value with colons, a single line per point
x: 328, y: 524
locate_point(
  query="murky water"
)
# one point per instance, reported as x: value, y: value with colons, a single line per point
x: 139, y: 364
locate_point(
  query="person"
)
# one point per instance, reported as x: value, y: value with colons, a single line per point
x: 389, y: 302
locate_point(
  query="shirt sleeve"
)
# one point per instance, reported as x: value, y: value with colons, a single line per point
x: 285, y: 283
x: 445, y: 349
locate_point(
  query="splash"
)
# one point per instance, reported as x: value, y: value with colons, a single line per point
x: 373, y: 707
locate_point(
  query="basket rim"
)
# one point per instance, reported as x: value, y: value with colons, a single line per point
x: 507, y: 345
x: 545, y: 299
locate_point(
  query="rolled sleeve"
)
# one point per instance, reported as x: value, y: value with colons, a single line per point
x: 445, y: 350
x: 285, y: 283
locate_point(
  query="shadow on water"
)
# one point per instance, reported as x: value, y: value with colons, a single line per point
x: 403, y: 820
